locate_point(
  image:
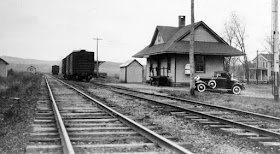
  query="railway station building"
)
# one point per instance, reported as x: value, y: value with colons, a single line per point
x: 168, y: 52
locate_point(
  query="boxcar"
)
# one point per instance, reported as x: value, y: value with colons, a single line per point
x: 79, y: 65
x: 55, y: 69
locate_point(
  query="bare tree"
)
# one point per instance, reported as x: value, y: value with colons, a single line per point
x: 228, y: 35
x: 235, y: 35
x: 268, y: 43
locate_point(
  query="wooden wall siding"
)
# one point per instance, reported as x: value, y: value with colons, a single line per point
x: 202, y: 35
x: 173, y: 69
x: 181, y: 61
x: 134, y: 72
x: 262, y: 62
x: 269, y: 69
x: 159, y: 39
x: 122, y: 74
x: 3, y: 69
x: 171, y: 74
x: 212, y: 64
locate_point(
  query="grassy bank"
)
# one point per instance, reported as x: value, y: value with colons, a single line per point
x: 18, y: 95
x: 253, y: 104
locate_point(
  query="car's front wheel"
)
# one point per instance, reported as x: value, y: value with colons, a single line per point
x: 236, y: 90
x: 201, y: 87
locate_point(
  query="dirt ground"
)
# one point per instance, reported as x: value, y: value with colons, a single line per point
x: 252, y: 90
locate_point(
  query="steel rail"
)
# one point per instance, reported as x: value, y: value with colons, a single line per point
x: 151, y: 135
x: 276, y: 119
x: 222, y: 120
x: 66, y: 143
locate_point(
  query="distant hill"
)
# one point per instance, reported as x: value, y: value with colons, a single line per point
x: 16, y: 60
x: 111, y: 68
x: 21, y: 64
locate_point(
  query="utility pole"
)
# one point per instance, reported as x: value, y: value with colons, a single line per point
x: 191, y: 54
x: 257, y: 77
x: 275, y: 49
x: 97, y: 65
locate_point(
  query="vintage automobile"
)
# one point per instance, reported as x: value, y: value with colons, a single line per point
x: 220, y: 81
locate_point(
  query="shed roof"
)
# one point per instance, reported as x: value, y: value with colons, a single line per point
x: 172, y: 37
x: 4, y: 61
x: 31, y: 67
x: 127, y: 63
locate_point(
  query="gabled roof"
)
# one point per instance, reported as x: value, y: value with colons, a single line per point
x: 31, y: 67
x: 173, y: 43
x: 127, y: 63
x: 4, y: 61
x: 268, y: 56
x: 165, y: 31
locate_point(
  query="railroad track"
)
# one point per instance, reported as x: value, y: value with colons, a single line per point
x: 69, y: 121
x: 263, y: 129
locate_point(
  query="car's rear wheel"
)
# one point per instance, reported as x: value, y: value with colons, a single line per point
x: 236, y: 90
x: 201, y: 87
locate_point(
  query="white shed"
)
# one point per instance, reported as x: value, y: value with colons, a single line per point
x: 3, y: 68
x: 131, y: 72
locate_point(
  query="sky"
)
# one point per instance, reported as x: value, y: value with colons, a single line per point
x: 52, y: 29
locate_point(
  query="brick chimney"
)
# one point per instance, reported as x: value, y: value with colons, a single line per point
x: 182, y: 21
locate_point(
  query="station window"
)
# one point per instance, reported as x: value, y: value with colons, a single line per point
x: 199, y: 63
x: 169, y: 64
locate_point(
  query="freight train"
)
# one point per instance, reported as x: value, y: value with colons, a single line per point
x: 55, y: 69
x: 79, y: 65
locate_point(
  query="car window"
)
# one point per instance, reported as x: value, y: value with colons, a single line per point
x: 223, y: 75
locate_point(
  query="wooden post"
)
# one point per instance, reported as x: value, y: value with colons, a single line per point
x: 97, y: 65
x: 275, y: 34
x: 257, y: 67
x: 191, y: 54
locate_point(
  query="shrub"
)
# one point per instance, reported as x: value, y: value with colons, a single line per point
x: 11, y: 72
